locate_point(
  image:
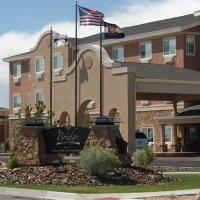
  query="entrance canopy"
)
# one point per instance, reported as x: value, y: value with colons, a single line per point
x: 166, y: 82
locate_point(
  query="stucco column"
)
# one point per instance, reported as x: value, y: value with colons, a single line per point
x: 125, y: 101
x: 5, y: 131
x: 174, y: 134
x: 131, y: 112
x: 162, y: 138
x: 163, y: 146
x: 174, y: 138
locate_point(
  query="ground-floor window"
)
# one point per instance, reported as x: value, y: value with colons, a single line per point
x: 168, y: 133
x: 149, y: 132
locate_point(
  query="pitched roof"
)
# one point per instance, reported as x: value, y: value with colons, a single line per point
x: 156, y: 26
x: 180, y: 21
x: 188, y: 111
x: 163, y: 71
x: 22, y: 56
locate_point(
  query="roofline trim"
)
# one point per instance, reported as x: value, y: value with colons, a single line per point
x: 38, y: 41
x: 168, y: 81
x: 183, y: 28
x: 106, y: 60
x: 17, y: 57
x: 138, y: 36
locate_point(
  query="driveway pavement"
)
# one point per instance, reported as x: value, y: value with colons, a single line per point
x: 193, y: 161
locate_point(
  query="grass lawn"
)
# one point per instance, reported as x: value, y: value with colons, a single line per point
x: 184, y: 181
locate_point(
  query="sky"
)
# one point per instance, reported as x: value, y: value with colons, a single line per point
x: 23, y: 21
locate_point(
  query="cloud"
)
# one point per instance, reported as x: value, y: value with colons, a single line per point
x: 143, y: 11
x: 131, y: 13
x: 14, y: 42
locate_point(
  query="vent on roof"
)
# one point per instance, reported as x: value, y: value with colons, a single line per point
x: 197, y: 13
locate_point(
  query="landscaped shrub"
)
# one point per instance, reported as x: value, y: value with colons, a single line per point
x: 13, y: 161
x: 98, y: 160
x: 143, y: 157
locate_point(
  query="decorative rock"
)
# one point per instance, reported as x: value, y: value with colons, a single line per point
x: 30, y: 147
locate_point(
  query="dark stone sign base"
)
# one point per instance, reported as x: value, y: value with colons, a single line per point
x: 32, y: 150
x: 30, y: 147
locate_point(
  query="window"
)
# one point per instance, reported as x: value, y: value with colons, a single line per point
x: 17, y: 101
x: 190, y: 45
x: 39, y: 65
x: 39, y: 97
x: 57, y: 62
x: 16, y: 70
x: 145, y: 50
x: 118, y: 54
x: 149, y: 132
x: 169, y: 46
x: 168, y: 133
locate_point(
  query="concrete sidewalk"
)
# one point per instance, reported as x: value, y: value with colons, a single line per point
x: 73, y: 196
x: 141, y: 195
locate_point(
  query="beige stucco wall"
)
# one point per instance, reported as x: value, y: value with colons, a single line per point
x: 117, y: 89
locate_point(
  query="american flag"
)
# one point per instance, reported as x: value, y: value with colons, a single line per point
x: 90, y: 17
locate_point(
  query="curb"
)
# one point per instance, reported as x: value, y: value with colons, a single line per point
x: 139, y: 196
x: 40, y: 194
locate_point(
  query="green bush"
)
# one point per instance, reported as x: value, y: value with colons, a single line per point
x: 143, y: 157
x: 98, y: 160
x: 13, y: 161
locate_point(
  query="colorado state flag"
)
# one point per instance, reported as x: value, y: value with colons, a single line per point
x: 112, y: 31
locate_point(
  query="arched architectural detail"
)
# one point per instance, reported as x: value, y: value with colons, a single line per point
x: 106, y: 60
x: 113, y: 112
x: 81, y: 113
x: 64, y: 119
x: 39, y: 40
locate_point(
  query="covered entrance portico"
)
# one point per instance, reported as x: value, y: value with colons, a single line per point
x: 189, y: 126
x: 185, y: 125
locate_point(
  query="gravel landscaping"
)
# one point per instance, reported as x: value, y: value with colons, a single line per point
x: 71, y: 174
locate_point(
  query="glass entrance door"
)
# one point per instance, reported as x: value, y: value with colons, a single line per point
x: 192, y: 138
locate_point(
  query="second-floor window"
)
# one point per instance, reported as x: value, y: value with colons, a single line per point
x: 16, y: 70
x: 57, y: 62
x: 39, y: 65
x: 17, y: 101
x: 190, y: 45
x: 169, y: 46
x: 39, y: 96
x: 118, y: 54
x: 145, y: 50
x: 149, y: 132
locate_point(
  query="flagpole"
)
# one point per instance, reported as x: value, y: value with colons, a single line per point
x: 101, y: 75
x: 50, y: 92
x: 76, y: 63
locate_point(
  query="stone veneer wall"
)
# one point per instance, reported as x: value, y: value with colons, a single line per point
x: 30, y: 147
x: 148, y: 119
